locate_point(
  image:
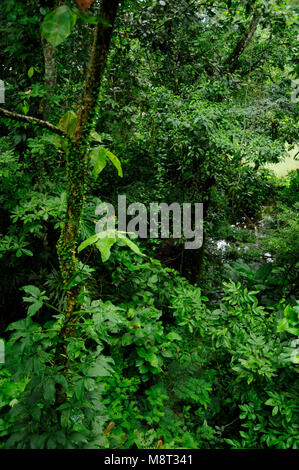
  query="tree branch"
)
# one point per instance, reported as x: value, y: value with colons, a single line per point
x: 231, y: 62
x: 32, y: 120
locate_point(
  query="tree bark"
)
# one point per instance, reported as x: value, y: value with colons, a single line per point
x: 231, y: 62
x: 50, y: 77
x: 76, y: 161
x: 76, y: 170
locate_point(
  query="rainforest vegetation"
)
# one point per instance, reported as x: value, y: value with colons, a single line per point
x: 113, y: 341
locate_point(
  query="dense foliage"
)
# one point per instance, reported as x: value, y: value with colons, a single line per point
x: 118, y: 343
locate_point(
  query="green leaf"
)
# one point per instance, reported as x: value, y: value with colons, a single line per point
x: 68, y: 123
x: 129, y: 243
x: 74, y: 281
x: 60, y: 379
x: 25, y: 108
x: 58, y: 25
x: 115, y: 161
x: 30, y: 72
x: 27, y: 252
x: 32, y: 290
x: 89, y: 241
x: 143, y: 368
x: 98, y: 370
x: 95, y: 136
x: 174, y: 336
x: 34, y: 308
x: 151, y: 357
x: 104, y: 244
x: 142, y: 352
x: 49, y: 391
x: 98, y: 156
x: 79, y: 389
x: 105, y: 240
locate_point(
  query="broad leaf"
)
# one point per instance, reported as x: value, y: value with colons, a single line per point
x: 115, y: 161
x: 89, y: 241
x: 104, y: 245
x: 49, y: 391
x: 174, y: 336
x: 100, y: 369
x: 95, y: 136
x: 68, y: 123
x: 58, y: 25
x: 32, y: 290
x: 98, y: 156
x: 105, y: 240
x: 129, y: 243
x: 30, y: 72
x: 35, y: 307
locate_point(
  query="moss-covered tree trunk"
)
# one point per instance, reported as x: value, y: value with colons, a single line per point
x: 76, y: 154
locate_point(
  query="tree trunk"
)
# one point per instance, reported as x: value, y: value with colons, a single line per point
x: 76, y: 161
x: 231, y: 62
x: 76, y: 170
x: 50, y: 77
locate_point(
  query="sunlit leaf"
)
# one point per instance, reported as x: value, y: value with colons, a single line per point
x: 129, y: 243
x: 68, y: 123
x: 115, y: 161
x: 58, y: 25
x: 95, y: 136
x: 98, y: 156
x: 30, y: 72
x: 89, y: 241
x: 104, y: 246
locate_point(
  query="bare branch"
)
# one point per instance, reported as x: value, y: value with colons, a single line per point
x: 32, y: 120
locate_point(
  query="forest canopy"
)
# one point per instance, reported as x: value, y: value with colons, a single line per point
x: 129, y: 129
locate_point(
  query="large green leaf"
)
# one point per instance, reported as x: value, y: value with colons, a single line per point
x: 89, y: 241
x: 95, y: 136
x: 101, y: 368
x: 68, y: 123
x: 129, y: 243
x: 98, y: 156
x: 49, y: 390
x: 115, y: 161
x: 104, y: 244
x: 105, y: 240
x: 174, y: 336
x: 35, y: 307
x: 58, y: 25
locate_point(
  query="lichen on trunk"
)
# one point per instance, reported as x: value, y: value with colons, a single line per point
x: 76, y: 154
